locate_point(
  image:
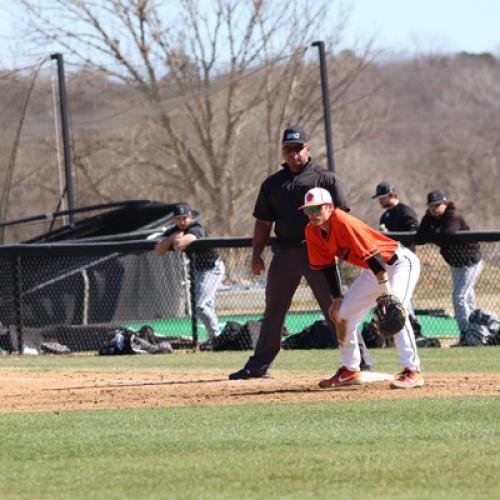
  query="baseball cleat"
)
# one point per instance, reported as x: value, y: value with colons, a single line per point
x: 408, y: 379
x: 245, y: 374
x: 341, y: 378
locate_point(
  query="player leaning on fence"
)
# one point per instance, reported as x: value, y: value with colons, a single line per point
x: 209, y: 269
x: 442, y: 220
x: 389, y: 269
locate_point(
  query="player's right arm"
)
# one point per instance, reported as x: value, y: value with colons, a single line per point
x: 332, y: 276
x: 424, y: 233
x: 164, y: 245
x: 261, y: 232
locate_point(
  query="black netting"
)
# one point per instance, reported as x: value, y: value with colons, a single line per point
x: 79, y: 299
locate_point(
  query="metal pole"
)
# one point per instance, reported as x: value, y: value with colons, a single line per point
x: 18, y: 305
x: 192, y: 290
x: 65, y: 133
x: 326, y: 103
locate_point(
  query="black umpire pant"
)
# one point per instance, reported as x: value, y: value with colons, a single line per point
x: 285, y: 272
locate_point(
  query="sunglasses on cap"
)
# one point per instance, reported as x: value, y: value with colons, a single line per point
x: 297, y: 148
x: 313, y: 209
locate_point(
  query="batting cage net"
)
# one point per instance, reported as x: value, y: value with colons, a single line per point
x: 62, y: 297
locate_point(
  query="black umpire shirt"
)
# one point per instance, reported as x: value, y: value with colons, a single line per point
x: 400, y: 218
x: 282, y: 193
x: 205, y: 258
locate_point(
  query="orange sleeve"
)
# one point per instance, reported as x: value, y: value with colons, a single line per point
x: 318, y: 254
x: 358, y: 239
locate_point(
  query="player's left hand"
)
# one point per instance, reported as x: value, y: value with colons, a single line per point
x: 334, y: 307
x: 389, y: 315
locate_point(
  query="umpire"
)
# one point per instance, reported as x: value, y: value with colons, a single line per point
x: 280, y: 196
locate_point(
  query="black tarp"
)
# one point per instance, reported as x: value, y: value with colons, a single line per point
x: 104, y: 288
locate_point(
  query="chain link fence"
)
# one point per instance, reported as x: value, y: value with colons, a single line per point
x: 78, y: 294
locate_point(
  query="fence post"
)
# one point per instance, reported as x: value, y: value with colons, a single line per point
x: 86, y: 297
x: 18, y: 310
x: 192, y: 293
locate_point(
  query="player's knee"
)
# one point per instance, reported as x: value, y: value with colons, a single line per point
x: 341, y: 321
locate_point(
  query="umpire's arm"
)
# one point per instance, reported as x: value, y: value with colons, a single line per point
x: 261, y: 233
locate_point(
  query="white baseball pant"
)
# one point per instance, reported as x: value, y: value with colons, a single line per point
x: 361, y: 297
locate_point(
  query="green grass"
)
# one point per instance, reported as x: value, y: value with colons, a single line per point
x: 437, y: 448
x: 432, y: 448
x: 459, y: 359
x: 432, y: 326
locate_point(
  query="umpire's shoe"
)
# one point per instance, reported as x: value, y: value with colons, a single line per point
x: 245, y: 374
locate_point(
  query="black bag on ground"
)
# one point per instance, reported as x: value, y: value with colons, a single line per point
x: 144, y: 341
x: 315, y: 336
x: 427, y: 342
x: 483, y: 329
x: 371, y: 336
x: 236, y: 337
x: 118, y: 343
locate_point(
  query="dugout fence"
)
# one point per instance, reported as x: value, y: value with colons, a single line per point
x: 77, y: 293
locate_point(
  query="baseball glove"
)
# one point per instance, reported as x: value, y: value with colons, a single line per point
x: 389, y: 315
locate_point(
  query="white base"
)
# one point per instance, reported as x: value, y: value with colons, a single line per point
x: 368, y: 377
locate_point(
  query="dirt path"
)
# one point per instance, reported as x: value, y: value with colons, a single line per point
x: 30, y: 391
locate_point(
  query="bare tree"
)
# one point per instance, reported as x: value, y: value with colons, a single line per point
x: 216, y: 86
x: 467, y: 148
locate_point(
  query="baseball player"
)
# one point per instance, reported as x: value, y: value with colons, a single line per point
x: 396, y: 216
x: 441, y: 220
x: 209, y: 269
x: 388, y: 269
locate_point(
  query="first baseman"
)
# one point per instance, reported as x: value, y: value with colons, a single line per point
x: 388, y: 269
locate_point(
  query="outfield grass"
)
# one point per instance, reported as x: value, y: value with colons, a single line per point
x: 440, y: 448
x: 422, y: 448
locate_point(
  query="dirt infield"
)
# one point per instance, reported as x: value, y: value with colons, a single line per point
x: 33, y: 391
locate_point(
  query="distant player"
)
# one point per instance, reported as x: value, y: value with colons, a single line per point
x: 441, y: 220
x: 209, y: 269
x: 397, y: 216
x: 388, y: 269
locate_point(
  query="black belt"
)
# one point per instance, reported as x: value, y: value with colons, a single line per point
x: 393, y: 259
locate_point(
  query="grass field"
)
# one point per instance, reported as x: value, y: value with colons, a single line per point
x: 437, y: 447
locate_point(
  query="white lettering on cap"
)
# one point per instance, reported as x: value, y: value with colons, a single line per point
x: 293, y: 135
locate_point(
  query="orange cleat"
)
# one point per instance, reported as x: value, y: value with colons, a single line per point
x: 408, y: 379
x: 341, y: 378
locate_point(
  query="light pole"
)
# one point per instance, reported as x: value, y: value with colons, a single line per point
x: 65, y: 134
x: 326, y: 104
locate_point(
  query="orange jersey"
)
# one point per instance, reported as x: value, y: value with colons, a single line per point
x: 349, y: 239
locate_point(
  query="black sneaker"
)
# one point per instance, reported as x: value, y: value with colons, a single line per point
x: 245, y: 374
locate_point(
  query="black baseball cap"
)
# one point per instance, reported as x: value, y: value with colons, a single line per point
x: 383, y: 189
x: 182, y: 210
x: 294, y: 135
x: 436, y: 197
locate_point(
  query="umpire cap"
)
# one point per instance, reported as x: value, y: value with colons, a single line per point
x: 294, y: 135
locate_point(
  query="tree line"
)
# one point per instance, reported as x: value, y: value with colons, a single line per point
x: 194, y: 111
